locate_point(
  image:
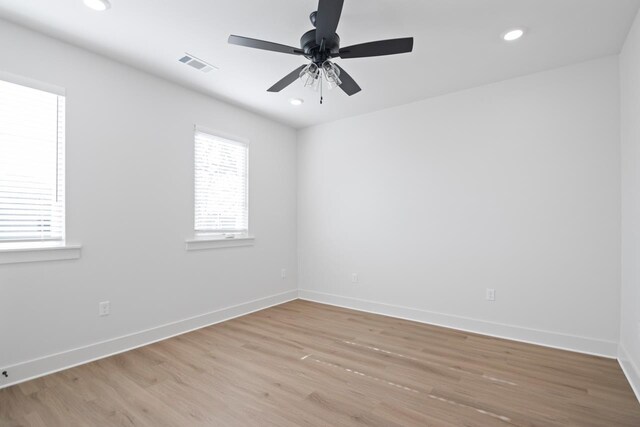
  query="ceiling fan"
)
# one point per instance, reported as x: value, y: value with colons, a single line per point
x: 320, y: 46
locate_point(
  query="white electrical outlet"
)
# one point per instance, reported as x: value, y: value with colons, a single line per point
x: 104, y: 308
x: 283, y: 273
x: 354, y: 277
x: 491, y: 294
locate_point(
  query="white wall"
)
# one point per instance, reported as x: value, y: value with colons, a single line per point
x: 630, y: 101
x: 129, y: 203
x: 513, y: 186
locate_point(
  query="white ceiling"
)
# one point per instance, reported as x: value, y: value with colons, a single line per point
x: 457, y: 44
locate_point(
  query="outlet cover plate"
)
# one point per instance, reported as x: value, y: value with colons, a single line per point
x: 104, y: 308
x: 491, y: 294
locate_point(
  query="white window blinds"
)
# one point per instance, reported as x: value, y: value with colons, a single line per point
x: 31, y: 164
x: 221, y: 184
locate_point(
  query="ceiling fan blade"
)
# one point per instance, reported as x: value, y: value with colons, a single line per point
x: 327, y: 19
x: 264, y: 45
x: 378, y: 48
x: 286, y: 80
x: 349, y: 86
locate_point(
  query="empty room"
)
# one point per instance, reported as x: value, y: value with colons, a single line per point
x: 320, y: 213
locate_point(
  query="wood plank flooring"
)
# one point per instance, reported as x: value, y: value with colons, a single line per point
x: 303, y: 363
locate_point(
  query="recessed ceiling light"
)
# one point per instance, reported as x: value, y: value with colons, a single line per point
x: 513, y: 35
x: 296, y: 101
x: 99, y: 5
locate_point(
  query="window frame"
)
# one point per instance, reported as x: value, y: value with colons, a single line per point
x: 19, y: 251
x: 61, y: 181
x: 203, y: 238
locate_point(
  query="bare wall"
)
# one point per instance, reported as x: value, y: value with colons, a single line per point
x: 513, y: 186
x: 130, y: 206
x: 630, y: 97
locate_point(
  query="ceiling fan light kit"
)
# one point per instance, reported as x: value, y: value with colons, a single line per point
x: 331, y: 74
x: 310, y: 76
x: 320, y: 46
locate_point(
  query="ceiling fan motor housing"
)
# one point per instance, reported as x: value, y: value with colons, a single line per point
x: 312, y: 49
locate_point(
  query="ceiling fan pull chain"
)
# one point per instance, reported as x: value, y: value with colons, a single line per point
x: 320, y: 87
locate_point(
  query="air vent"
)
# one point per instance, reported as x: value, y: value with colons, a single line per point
x: 196, y: 63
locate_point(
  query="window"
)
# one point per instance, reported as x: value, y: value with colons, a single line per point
x: 221, y: 185
x: 31, y: 164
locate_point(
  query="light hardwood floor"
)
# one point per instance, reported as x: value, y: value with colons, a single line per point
x: 303, y: 363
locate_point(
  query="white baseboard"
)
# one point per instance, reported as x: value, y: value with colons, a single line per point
x: 561, y: 341
x: 56, y: 362
x: 630, y: 370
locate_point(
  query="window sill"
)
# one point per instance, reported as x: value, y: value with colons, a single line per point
x: 39, y: 253
x: 202, y: 243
